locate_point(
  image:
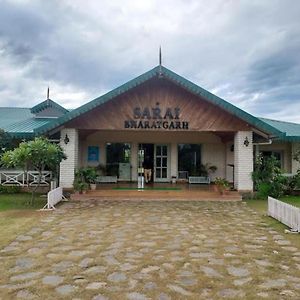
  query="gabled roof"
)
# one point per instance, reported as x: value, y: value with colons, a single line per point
x: 291, y: 130
x: 46, y: 104
x: 163, y: 72
x: 9, y: 115
x: 25, y: 128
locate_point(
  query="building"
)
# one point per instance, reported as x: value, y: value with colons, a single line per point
x: 176, y: 123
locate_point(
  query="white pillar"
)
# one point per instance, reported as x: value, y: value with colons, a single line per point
x: 68, y: 166
x: 243, y: 160
x: 295, y: 164
x: 174, y: 160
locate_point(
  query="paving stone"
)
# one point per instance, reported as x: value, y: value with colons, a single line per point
x: 24, y: 238
x: 78, y: 253
x: 242, y: 281
x: 53, y: 280
x: 65, y: 290
x: 95, y: 270
x: 25, y: 276
x: 150, y: 269
x: 263, y: 295
x: 25, y: 294
x: 127, y: 267
x: 287, y: 293
x: 201, y: 255
x: 231, y: 293
x: 163, y: 296
x: 283, y: 242
x: 187, y: 281
x: 62, y: 266
x: 150, y: 286
x: 178, y: 289
x: 95, y: 285
x: 238, y: 272
x: 210, y: 272
x: 99, y: 297
x: 274, y: 283
x: 117, y: 277
x: 34, y: 250
x: 24, y: 262
x: 86, y: 262
x: 136, y: 296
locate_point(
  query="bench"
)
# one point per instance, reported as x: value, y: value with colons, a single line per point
x: 199, y: 179
x: 107, y: 179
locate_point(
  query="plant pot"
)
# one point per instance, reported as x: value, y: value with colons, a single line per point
x: 173, y: 180
x: 93, y: 186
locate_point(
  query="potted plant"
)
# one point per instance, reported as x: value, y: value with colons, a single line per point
x: 222, y: 185
x: 91, y: 175
x: 174, y: 178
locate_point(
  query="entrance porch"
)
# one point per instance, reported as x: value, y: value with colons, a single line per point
x: 157, y: 192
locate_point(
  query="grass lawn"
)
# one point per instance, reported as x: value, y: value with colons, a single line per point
x: 16, y: 216
x: 261, y: 206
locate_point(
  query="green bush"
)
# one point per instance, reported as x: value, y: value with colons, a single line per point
x: 10, y: 189
x: 267, y: 177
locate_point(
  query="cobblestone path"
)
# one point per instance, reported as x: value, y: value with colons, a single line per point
x: 150, y: 250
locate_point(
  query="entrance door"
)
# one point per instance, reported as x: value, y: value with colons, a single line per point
x: 145, y: 158
x: 161, y: 163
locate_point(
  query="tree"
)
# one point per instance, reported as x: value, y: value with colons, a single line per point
x: 38, y: 155
x: 6, y: 141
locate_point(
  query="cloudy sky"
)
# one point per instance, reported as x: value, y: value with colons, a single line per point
x: 247, y: 52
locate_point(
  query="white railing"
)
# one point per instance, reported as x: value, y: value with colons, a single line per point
x: 285, y: 213
x: 54, y: 197
x: 21, y: 178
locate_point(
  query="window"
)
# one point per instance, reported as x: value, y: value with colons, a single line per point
x: 116, y: 153
x: 277, y: 154
x: 189, y: 159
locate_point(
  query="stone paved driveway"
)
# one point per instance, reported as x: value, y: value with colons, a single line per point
x: 150, y: 250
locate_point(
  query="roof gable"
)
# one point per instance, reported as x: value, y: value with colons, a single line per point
x: 48, y: 108
x: 161, y: 71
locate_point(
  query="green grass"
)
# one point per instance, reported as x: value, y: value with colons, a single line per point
x: 261, y: 206
x: 293, y: 200
x: 20, y: 201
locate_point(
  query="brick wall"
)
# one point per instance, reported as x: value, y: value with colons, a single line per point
x: 68, y: 166
x: 243, y: 161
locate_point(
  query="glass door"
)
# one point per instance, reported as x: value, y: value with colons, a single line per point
x: 161, y: 163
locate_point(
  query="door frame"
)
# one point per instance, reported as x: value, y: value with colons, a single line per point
x: 166, y: 179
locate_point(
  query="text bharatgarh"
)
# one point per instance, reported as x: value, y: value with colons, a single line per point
x: 156, y: 118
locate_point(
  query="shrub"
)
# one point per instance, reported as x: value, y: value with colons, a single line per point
x: 267, y: 177
x: 10, y: 189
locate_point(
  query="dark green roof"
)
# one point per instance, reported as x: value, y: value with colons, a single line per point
x: 46, y: 104
x: 290, y: 130
x: 161, y: 71
x: 9, y: 115
x: 25, y: 128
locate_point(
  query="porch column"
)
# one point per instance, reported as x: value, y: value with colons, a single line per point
x: 68, y: 166
x: 295, y: 164
x: 174, y: 160
x: 243, y: 160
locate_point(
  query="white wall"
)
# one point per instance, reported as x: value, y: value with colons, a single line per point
x: 243, y: 161
x: 215, y: 154
x: 68, y: 166
x: 213, y: 150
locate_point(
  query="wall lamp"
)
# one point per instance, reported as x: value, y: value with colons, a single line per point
x: 66, y: 139
x: 246, y: 142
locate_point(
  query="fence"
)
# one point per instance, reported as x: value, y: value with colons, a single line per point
x: 54, y: 197
x: 21, y: 178
x: 285, y: 213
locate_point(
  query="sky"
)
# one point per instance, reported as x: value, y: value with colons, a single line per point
x: 244, y: 51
